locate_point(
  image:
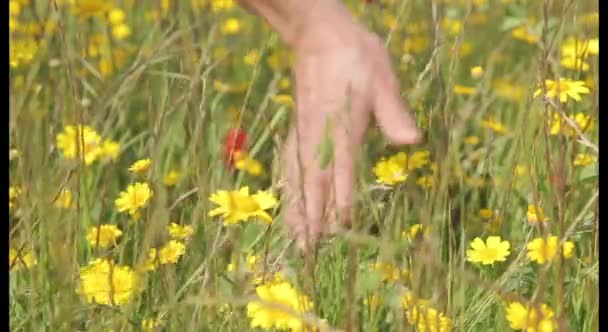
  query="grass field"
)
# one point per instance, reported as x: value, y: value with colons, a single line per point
x: 119, y: 116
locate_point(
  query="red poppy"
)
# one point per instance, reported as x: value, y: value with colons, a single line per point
x: 236, y: 140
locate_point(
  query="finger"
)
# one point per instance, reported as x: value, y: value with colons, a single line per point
x: 348, y: 136
x: 391, y: 113
x: 305, y: 191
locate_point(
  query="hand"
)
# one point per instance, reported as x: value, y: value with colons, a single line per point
x: 343, y: 75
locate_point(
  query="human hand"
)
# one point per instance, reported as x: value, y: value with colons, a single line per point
x: 343, y: 75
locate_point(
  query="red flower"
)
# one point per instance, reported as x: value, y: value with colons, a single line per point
x: 236, y: 140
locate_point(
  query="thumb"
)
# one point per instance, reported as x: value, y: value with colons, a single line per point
x: 392, y: 115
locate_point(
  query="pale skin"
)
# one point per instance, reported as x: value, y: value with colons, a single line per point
x: 343, y: 72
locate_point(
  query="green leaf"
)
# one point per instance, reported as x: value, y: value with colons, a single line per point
x: 511, y: 23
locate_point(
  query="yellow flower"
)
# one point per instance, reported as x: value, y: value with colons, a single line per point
x: 178, y: 232
x: 284, y: 99
x: 564, y: 88
x: 464, y: 90
x: 150, y: 325
x: 231, y: 26
x: 219, y: 5
x: 169, y: 253
x: 89, y: 8
x: 418, y: 160
x: 486, y: 213
x: 64, y: 199
x: 522, y: 33
x: 22, y: 52
x: 416, y: 44
x: 559, y: 125
x: 103, y: 282
x: 103, y: 236
x: 471, y: 140
x: 116, y: 16
x: 476, y: 72
x: 18, y: 260
x: 141, y: 166
x: 248, y: 164
x: 279, y: 306
x: 121, y: 31
x: 426, y: 318
x: 252, y: 57
x: 526, y: 318
x: 389, y: 272
x: 391, y: 171
x: 110, y: 149
x: 542, y: 250
x: 580, y: 48
x: 495, y: 126
x: 426, y: 181
x: 535, y: 215
x: 414, y: 232
x: 493, y: 250
x: 14, y: 8
x: 72, y: 138
x: 284, y: 83
x: 134, y: 198
x: 575, y: 63
x: 237, y: 206
x: 172, y: 178
x: 584, y: 159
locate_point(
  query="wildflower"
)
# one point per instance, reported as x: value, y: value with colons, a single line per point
x: 90, y: 8
x: 464, y: 90
x: 391, y: 171
x: 574, y: 63
x: 178, y: 232
x: 471, y: 140
x: 110, y: 149
x: 121, y: 31
x: 284, y: 99
x: 493, y: 250
x: 278, y: 307
x: 70, y: 141
x: 535, y: 215
x: 103, y: 282
x: 238, y: 206
x: 414, y: 232
x: 373, y: 301
x: 150, y: 325
x: 13, y: 193
x: 524, y: 34
x: 172, y: 178
x: 426, y: 181
x: 141, y: 166
x: 476, y: 72
x: 252, y: 57
x: 559, y: 125
x: 103, y: 236
x: 389, y: 272
x: 495, y: 126
x: 579, y: 48
x: 418, y: 160
x: 424, y: 317
x: 18, y: 259
x: 219, y: 5
x: 485, y: 213
x: 167, y: 254
x: 245, y: 163
x: 64, y: 199
x: 527, y: 318
x: 564, y: 88
x: 231, y: 26
x: 116, y: 16
x: 236, y: 140
x: 584, y: 159
x: 135, y: 197
x: 542, y: 250
x: 22, y: 52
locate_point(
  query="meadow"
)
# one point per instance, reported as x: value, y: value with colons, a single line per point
x: 145, y: 172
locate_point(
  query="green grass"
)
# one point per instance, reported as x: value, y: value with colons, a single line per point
x: 160, y: 102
